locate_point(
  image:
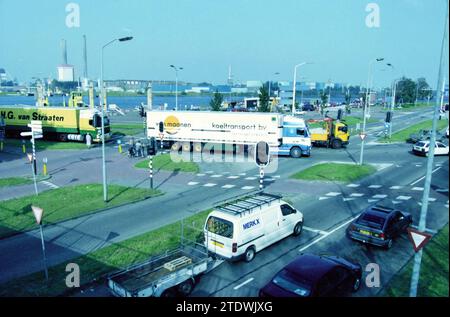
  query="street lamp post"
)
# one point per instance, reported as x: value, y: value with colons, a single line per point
x: 102, y: 105
x: 365, y: 108
x: 294, y: 86
x: 270, y: 82
x: 176, y: 84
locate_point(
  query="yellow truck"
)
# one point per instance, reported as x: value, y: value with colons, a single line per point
x: 58, y: 123
x: 329, y: 133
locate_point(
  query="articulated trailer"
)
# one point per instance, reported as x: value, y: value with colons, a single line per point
x: 192, y: 130
x: 58, y: 123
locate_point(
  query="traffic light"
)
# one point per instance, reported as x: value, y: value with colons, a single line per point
x: 339, y: 114
x: 388, y: 117
x: 161, y: 127
x: 152, y: 147
x: 262, y: 154
x: 142, y: 112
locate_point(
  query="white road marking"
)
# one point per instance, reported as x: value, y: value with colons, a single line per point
x: 353, y: 185
x: 415, y: 182
x: 327, y: 234
x: 192, y: 183
x: 201, y: 174
x: 322, y: 198
x: 372, y: 200
x: 270, y: 179
x: 216, y: 175
x: 233, y: 177
x: 418, y: 165
x: 277, y: 176
x: 442, y: 190
x: 379, y: 196
x: 357, y: 195
x: 431, y: 199
x: 417, y: 188
x: 333, y: 194
x: 375, y: 186
x: 396, y: 202
x: 314, y: 230
x: 51, y: 185
x: 403, y: 197
x: 243, y: 283
x: 251, y: 178
x: 395, y: 187
x: 248, y: 187
x: 209, y: 185
x: 242, y: 174
x: 347, y: 199
x: 228, y: 186
x: 209, y: 172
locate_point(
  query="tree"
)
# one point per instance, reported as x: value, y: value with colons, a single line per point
x: 216, y: 101
x: 423, y: 89
x: 348, y: 97
x: 323, y: 97
x: 264, y: 99
x: 406, y: 90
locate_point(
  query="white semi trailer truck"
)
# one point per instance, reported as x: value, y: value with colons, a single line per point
x: 286, y: 135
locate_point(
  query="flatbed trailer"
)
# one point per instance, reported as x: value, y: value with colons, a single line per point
x: 163, y: 276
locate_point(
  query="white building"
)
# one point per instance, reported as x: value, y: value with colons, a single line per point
x: 66, y: 73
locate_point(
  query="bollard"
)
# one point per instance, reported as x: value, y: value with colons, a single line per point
x: 24, y: 150
x: 1, y: 146
x: 120, y: 148
x: 44, y: 169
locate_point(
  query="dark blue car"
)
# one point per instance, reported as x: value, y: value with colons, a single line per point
x: 315, y: 276
x: 379, y: 226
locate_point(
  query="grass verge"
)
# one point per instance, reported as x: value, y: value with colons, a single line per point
x: 350, y: 120
x: 95, y: 265
x: 164, y: 162
x: 336, y: 172
x: 64, y: 203
x: 14, y: 181
x: 403, y: 135
x: 126, y: 129
x: 433, y: 279
x: 47, y: 145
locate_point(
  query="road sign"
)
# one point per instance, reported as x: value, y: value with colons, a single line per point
x: 262, y: 154
x: 38, y: 212
x: 26, y: 133
x: 418, y: 238
x: 30, y: 157
x: 362, y: 136
x: 161, y: 136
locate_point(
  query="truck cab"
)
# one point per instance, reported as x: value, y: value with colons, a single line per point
x: 329, y: 133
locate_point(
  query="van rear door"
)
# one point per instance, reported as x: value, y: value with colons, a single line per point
x: 218, y: 236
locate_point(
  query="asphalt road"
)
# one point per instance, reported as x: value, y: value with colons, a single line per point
x: 190, y: 193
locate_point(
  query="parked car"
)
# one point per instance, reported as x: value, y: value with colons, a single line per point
x: 423, y: 147
x: 423, y: 135
x: 314, y: 276
x: 379, y: 226
x: 308, y: 107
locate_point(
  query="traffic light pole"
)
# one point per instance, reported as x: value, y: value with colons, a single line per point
x: 33, y: 163
x: 150, y: 165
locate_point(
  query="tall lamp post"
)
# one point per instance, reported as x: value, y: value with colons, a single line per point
x: 294, y: 86
x: 361, y: 157
x: 270, y: 82
x: 176, y: 84
x: 102, y: 105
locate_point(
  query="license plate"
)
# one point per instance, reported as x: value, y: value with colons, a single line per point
x: 367, y: 233
x: 216, y: 243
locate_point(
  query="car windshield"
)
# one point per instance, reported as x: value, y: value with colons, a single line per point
x: 421, y: 144
x: 220, y: 226
x: 292, y: 283
x: 371, y: 220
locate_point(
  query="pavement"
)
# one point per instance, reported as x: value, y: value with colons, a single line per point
x: 327, y: 207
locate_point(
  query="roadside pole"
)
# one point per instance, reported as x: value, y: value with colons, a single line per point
x: 261, y: 178
x: 35, y: 133
x: 44, y: 167
x: 38, y: 214
x: 150, y: 165
x: 262, y: 159
x: 426, y: 192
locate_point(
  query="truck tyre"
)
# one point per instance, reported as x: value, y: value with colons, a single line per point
x: 336, y: 144
x: 249, y: 254
x: 298, y: 229
x: 187, y: 146
x: 295, y: 152
x: 62, y: 137
x: 186, y: 287
x: 198, y: 147
x: 356, y: 284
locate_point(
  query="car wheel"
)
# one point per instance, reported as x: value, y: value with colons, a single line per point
x: 296, y: 152
x: 250, y: 254
x: 169, y: 293
x: 186, y: 287
x: 298, y: 229
x: 389, y: 244
x: 356, y: 284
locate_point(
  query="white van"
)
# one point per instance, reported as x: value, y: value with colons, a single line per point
x: 241, y: 227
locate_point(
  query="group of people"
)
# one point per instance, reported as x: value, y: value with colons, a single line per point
x: 138, y: 148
